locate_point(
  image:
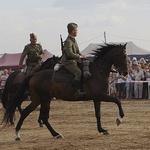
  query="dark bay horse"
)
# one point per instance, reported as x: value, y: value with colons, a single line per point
x: 95, y: 87
x: 12, y: 88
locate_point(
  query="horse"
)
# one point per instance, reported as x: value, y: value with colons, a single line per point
x: 56, y: 84
x: 12, y: 87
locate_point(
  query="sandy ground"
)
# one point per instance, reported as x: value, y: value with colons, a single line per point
x: 76, y: 122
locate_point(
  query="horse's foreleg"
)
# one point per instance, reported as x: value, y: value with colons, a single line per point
x: 107, y: 98
x: 97, y: 115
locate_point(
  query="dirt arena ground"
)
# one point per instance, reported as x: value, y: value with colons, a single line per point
x: 76, y: 122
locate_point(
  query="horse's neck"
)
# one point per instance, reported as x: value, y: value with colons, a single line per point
x: 48, y: 65
x: 104, y: 65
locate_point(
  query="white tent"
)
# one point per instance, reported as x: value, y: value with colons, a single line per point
x: 131, y: 49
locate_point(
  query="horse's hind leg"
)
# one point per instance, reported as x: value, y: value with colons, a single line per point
x: 40, y: 120
x: 20, y: 109
x: 19, y: 105
x: 45, y: 108
x: 24, y: 114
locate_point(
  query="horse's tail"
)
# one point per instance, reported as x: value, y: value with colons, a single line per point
x: 17, y: 100
x: 4, y: 99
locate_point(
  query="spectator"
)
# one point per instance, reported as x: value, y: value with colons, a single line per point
x: 138, y: 85
x: 129, y: 62
x: 148, y: 73
x: 112, y: 84
x: 145, y: 84
x: 129, y: 84
x: 142, y: 61
x: 10, y: 71
x: 120, y: 86
x: 134, y: 61
x: 4, y: 78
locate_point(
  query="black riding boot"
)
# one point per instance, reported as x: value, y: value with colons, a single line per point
x: 78, y: 93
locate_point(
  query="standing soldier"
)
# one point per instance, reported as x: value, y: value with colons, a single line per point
x: 71, y: 55
x: 34, y: 53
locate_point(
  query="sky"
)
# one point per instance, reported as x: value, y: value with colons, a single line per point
x: 121, y: 20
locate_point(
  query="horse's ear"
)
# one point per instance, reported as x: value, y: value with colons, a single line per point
x: 54, y: 58
x: 125, y: 45
x: 60, y: 57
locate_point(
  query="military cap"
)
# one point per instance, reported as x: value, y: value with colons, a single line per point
x: 32, y: 35
x: 71, y: 26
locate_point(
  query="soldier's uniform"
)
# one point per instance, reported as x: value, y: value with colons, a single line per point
x: 71, y: 55
x: 34, y: 55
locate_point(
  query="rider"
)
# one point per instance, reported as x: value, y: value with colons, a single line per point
x: 71, y: 55
x: 34, y: 53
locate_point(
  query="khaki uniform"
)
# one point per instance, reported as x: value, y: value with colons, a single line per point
x: 70, y: 57
x: 34, y: 55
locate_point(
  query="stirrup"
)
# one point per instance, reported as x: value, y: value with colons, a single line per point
x: 79, y: 94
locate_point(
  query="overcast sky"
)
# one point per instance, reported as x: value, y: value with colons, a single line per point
x: 122, y: 20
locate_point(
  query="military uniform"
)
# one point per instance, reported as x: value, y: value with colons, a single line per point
x: 34, y: 57
x: 70, y: 57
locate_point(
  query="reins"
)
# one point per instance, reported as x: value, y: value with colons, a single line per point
x: 99, y: 67
x: 94, y: 64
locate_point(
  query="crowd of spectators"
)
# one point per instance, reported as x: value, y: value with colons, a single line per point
x: 135, y: 84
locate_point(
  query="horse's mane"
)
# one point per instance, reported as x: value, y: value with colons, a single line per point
x: 48, y: 59
x: 100, y: 52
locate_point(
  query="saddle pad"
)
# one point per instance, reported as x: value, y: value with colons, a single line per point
x: 61, y: 78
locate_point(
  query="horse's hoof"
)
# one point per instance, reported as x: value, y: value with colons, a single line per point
x: 105, y: 133
x: 41, y: 125
x: 12, y: 124
x: 59, y: 136
x: 18, y: 139
x: 118, y: 121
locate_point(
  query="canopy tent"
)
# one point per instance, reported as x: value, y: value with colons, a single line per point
x: 131, y: 49
x: 8, y: 61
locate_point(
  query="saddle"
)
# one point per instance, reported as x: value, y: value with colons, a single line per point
x: 66, y: 75
x: 63, y: 75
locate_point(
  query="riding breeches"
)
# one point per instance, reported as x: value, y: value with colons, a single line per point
x: 32, y: 69
x: 74, y: 69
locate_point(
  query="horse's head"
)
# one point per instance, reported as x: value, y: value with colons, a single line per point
x: 111, y: 54
x: 120, y: 59
x: 50, y: 63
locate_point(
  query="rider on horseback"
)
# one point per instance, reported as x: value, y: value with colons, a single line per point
x: 71, y: 55
x: 34, y: 53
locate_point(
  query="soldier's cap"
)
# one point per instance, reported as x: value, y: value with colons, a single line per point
x: 71, y: 26
x: 32, y: 35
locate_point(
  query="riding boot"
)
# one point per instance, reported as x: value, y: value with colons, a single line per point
x: 78, y: 93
